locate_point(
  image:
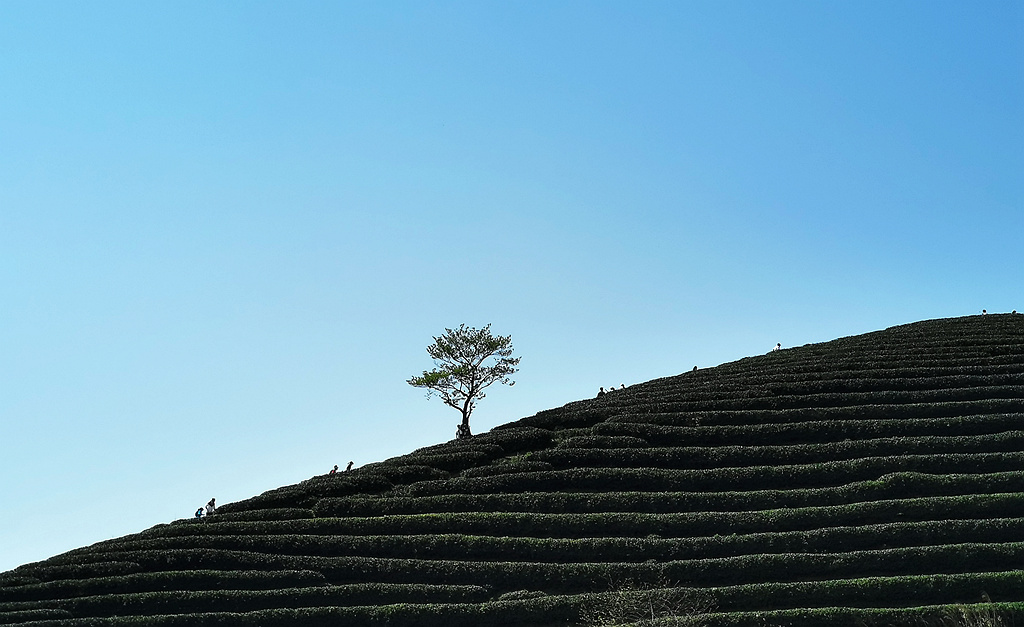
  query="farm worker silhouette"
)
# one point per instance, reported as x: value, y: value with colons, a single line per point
x: 334, y: 470
x: 211, y: 508
x: 347, y: 468
x: 778, y: 347
x: 199, y: 513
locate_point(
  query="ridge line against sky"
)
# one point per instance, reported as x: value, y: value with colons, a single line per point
x: 228, y: 231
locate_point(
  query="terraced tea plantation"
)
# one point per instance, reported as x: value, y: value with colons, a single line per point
x: 872, y: 480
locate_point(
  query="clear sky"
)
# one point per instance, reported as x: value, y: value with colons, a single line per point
x: 229, y: 230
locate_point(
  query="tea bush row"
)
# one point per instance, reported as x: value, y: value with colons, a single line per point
x: 612, y: 524
x: 876, y: 591
x: 629, y: 525
x: 430, y: 463
x: 806, y: 432
x: 811, y: 363
x: 305, y: 494
x: 183, y: 602
x: 829, y: 392
x: 836, y: 370
x: 375, y: 479
x: 603, y: 549
x: 838, y: 375
x: 706, y: 457
x: 284, y: 513
x: 665, y: 415
x: 923, y: 616
x: 53, y: 570
x: 535, y: 612
x: 510, y: 438
x: 895, y: 485
x: 828, y: 362
x: 24, y: 616
x: 599, y: 442
x: 192, y: 579
x: 720, y: 479
x: 895, y: 404
x: 505, y: 467
x: 580, y: 577
x: 842, y: 373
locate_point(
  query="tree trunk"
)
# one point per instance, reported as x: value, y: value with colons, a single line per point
x: 464, y: 431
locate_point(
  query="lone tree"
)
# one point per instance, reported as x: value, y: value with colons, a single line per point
x: 467, y: 360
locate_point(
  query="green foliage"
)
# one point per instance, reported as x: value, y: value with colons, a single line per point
x: 24, y: 616
x: 599, y: 549
x: 204, y: 601
x: 811, y: 431
x: 603, y: 442
x: 890, y: 486
x: 467, y: 361
x: 591, y: 456
x: 799, y: 476
x: 191, y: 579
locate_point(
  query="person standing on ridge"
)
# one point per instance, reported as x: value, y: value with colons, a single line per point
x: 211, y: 507
x: 347, y: 468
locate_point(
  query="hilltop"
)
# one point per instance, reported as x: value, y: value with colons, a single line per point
x: 872, y: 480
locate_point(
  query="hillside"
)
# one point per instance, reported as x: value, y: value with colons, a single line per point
x: 872, y: 480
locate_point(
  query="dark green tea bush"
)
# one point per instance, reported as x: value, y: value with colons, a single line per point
x: 283, y: 513
x: 400, y: 474
x: 723, y: 479
x: 890, y: 486
x: 179, y: 602
x: 514, y: 438
x: 578, y: 414
x: 505, y: 467
x: 578, y: 577
x: 923, y: 616
x: 454, y: 461
x: 681, y: 525
x: 53, y: 570
x: 194, y: 579
x: 607, y: 549
x: 879, y: 591
x: 24, y: 616
x: 810, y: 432
x: 766, y: 400
x: 737, y: 456
x: 669, y: 415
x: 306, y: 493
x: 601, y: 442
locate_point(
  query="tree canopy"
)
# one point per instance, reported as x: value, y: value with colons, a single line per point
x: 467, y: 360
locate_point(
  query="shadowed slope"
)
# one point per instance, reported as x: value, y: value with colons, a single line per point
x: 870, y: 480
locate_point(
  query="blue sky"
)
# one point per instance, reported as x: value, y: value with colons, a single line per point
x: 229, y: 230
